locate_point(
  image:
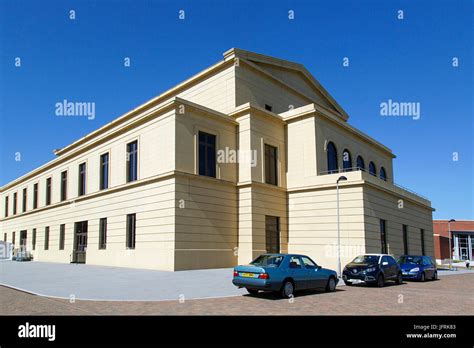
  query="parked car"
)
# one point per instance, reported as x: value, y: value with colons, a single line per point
x: 372, y: 269
x: 418, y: 267
x: 283, y: 273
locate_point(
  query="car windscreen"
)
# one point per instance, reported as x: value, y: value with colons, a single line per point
x: 268, y: 260
x: 366, y: 259
x: 410, y: 259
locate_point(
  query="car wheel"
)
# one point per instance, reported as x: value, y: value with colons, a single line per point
x: 331, y: 286
x: 399, y: 279
x: 435, y: 276
x: 422, y: 278
x: 287, y: 289
x: 252, y: 292
x: 380, y: 281
x: 348, y: 283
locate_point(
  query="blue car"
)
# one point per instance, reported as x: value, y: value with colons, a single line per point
x: 417, y: 267
x: 283, y: 273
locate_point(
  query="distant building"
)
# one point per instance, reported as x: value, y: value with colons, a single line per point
x: 161, y: 187
x: 462, y: 239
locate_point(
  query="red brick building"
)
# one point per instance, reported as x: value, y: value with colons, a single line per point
x: 462, y: 239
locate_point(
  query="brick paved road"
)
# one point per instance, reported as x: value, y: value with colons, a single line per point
x: 449, y: 296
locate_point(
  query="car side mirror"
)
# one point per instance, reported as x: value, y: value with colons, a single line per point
x: 319, y: 267
x: 384, y: 263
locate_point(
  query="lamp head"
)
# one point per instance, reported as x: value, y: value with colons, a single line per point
x: 342, y: 178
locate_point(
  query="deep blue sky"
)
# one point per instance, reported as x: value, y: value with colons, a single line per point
x: 403, y: 60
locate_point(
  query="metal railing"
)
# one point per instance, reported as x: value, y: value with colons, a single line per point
x: 352, y: 169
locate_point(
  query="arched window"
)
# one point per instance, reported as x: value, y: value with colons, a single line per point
x: 383, y: 174
x: 346, y: 160
x: 360, y: 163
x: 372, y: 170
x: 332, y: 158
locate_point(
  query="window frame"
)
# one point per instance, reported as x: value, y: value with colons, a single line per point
x: 422, y: 237
x: 384, y: 175
x: 103, y: 185
x: 405, y: 239
x: 102, y: 234
x: 346, y: 168
x: 129, y: 161
x: 374, y: 167
x: 62, y: 236
x: 33, y: 239
x: 131, y: 231
x: 7, y: 199
x: 210, y: 170
x: 363, y: 163
x: 24, y: 201
x: 15, y: 202
x: 46, y: 238
x: 82, y: 180
x: 332, y: 158
x: 383, y: 236
x: 49, y: 189
x: 35, y: 195
x: 63, y: 185
x: 266, y: 163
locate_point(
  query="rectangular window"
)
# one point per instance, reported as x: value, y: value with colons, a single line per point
x: 131, y: 231
x: 13, y: 238
x: 405, y: 239
x: 6, y: 206
x: 272, y: 234
x: 23, y: 238
x: 35, y: 196
x: 15, y: 201
x: 48, y: 191
x: 62, y: 235
x: 271, y: 176
x: 104, y: 171
x: 34, y: 239
x: 422, y: 235
x: 207, y: 154
x: 63, y: 186
x: 383, y: 236
x: 46, y: 238
x: 23, y: 207
x: 5, y: 237
x: 132, y: 161
x: 82, y: 180
x: 103, y: 233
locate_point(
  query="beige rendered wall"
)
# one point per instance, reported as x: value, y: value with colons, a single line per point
x: 216, y: 92
x: 312, y: 218
x: 254, y: 87
x: 382, y: 205
x: 153, y: 205
x: 207, y: 208
x: 297, y: 81
x: 206, y: 223
x: 327, y: 131
x: 256, y: 198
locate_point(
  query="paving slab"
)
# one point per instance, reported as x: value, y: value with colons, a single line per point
x: 90, y: 282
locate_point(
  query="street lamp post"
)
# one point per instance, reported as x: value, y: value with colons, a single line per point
x: 341, y: 178
x: 450, y: 248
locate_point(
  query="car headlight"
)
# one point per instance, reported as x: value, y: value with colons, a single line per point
x: 416, y: 269
x: 371, y: 269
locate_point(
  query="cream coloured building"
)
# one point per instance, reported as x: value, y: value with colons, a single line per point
x: 159, y: 187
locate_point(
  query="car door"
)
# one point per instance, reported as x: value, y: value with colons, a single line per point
x: 386, y: 267
x: 315, y: 277
x: 393, y: 267
x: 297, y: 272
x: 428, y: 267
